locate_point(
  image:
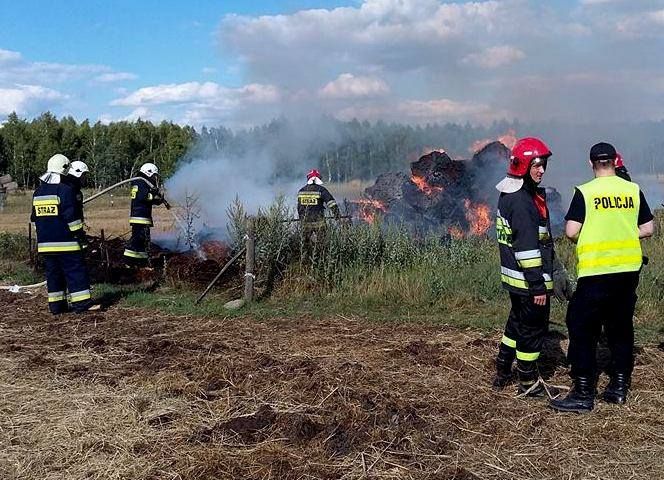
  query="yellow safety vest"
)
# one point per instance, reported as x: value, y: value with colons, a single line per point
x: 609, y: 239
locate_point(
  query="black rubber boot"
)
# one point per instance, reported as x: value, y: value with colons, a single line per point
x: 529, y: 384
x: 504, y: 362
x: 616, y: 390
x: 581, y: 399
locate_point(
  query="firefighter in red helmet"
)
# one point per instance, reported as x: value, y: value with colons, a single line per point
x: 312, y: 200
x: 525, y: 242
x: 621, y: 169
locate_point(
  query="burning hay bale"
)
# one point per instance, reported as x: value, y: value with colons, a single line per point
x: 442, y: 194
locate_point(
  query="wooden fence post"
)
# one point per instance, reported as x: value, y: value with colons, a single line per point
x: 250, y: 258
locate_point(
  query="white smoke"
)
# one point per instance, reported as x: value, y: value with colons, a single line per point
x: 273, y: 164
x: 215, y: 182
x: 653, y: 189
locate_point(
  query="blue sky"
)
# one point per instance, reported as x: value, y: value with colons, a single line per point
x: 239, y: 63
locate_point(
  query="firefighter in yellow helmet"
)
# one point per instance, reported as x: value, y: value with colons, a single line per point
x: 606, y: 219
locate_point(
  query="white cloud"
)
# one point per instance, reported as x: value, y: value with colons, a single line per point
x: 144, y: 114
x: 424, y: 111
x: 17, y: 70
x: 389, y: 35
x: 349, y: 86
x: 601, y: 2
x: 642, y: 24
x: 494, y: 57
x: 195, y: 92
x: 9, y: 56
x: 209, y: 70
x: 115, y: 77
x: 28, y: 99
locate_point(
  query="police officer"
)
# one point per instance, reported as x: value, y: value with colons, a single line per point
x: 526, y: 265
x: 312, y: 200
x: 143, y: 197
x: 60, y: 233
x: 606, y: 219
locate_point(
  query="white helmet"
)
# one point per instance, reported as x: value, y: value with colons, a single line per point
x: 149, y: 169
x: 78, y: 168
x: 58, y: 163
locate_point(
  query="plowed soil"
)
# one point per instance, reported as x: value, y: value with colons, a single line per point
x: 135, y: 394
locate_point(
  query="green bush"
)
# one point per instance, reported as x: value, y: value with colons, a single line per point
x: 13, y: 246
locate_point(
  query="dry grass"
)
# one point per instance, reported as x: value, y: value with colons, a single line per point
x: 112, y: 213
x: 109, y: 213
x: 132, y: 394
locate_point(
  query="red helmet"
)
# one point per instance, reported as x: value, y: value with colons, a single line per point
x: 619, y: 161
x: 524, y: 152
x: 313, y: 173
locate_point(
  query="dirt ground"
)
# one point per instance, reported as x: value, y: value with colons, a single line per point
x: 133, y: 394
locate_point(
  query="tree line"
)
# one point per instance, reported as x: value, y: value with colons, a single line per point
x: 342, y: 150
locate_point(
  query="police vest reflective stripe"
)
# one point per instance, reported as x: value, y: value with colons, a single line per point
x: 609, y: 239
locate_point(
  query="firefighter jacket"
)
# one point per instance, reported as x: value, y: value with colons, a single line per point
x: 75, y: 184
x: 56, y: 221
x: 312, y: 199
x: 142, y: 199
x: 523, y: 228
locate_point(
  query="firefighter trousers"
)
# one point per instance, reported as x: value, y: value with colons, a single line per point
x: 527, y: 325
x: 313, y: 235
x: 602, y: 301
x: 67, y: 280
x: 136, y: 251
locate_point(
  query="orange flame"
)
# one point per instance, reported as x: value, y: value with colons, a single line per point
x: 478, y: 216
x: 508, y: 139
x: 369, y: 208
x: 455, y: 232
x: 424, y: 187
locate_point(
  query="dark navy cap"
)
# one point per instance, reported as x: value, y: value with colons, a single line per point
x: 602, y: 152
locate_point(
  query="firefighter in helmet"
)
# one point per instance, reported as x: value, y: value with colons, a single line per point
x: 621, y: 169
x: 74, y: 179
x: 143, y: 197
x: 606, y: 219
x: 527, y: 268
x: 312, y: 200
x: 58, y: 220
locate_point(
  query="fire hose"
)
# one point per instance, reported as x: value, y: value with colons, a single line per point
x: 18, y: 288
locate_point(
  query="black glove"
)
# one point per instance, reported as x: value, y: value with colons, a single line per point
x: 82, y: 239
x: 562, y: 287
x: 157, y: 197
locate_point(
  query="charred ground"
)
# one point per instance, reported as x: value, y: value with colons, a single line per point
x: 131, y: 393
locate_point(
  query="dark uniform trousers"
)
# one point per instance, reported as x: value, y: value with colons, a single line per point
x: 602, y: 300
x: 67, y: 279
x: 138, y: 245
x: 526, y: 327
